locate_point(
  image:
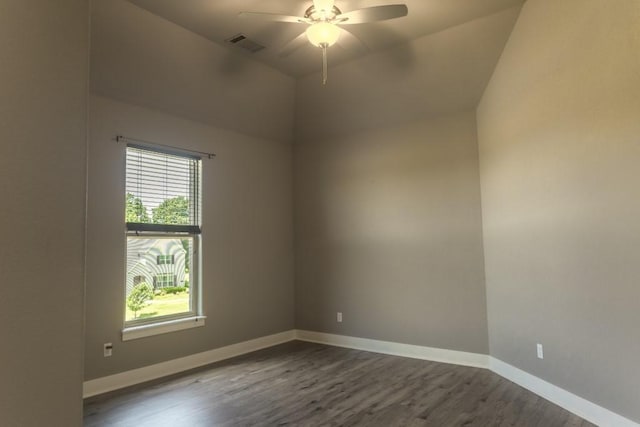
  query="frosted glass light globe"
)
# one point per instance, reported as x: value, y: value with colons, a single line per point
x: 323, y: 34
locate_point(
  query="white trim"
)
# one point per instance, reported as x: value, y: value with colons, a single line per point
x: 147, y: 373
x: 397, y: 349
x: 583, y: 408
x: 135, y: 332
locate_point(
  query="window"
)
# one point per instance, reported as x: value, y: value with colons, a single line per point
x: 165, y: 259
x: 164, y: 280
x: 163, y: 237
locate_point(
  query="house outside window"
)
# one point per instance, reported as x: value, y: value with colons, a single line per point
x: 163, y: 234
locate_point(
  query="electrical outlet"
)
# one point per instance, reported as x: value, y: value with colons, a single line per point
x: 339, y: 317
x: 540, y: 351
x: 108, y: 349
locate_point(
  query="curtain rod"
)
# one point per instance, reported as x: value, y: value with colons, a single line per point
x: 121, y: 138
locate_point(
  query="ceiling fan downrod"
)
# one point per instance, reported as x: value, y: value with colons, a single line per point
x: 324, y: 65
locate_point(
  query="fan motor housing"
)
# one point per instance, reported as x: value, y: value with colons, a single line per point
x: 316, y: 16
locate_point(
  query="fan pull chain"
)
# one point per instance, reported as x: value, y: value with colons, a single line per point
x: 324, y: 65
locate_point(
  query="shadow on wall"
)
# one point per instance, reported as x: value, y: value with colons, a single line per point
x: 402, y: 56
x: 398, y: 53
x: 232, y: 63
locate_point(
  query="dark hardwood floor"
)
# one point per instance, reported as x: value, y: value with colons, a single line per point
x: 303, y: 384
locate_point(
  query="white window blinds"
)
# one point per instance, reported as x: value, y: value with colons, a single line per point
x: 162, y: 191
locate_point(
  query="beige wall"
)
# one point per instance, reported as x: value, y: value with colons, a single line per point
x: 388, y: 232
x: 559, y: 152
x: 155, y: 81
x: 43, y: 81
x: 246, y: 244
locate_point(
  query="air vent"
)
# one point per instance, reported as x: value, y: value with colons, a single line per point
x: 245, y: 43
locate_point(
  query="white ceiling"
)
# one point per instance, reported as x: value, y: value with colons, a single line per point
x: 218, y: 20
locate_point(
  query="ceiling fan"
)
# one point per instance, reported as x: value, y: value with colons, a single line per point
x: 323, y: 18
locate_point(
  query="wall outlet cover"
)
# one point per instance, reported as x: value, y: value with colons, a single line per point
x: 540, y: 351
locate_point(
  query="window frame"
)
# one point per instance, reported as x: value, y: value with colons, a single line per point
x: 138, y: 328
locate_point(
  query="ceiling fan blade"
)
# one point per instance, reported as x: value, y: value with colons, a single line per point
x: 372, y: 14
x: 294, y: 45
x: 351, y: 42
x: 275, y: 17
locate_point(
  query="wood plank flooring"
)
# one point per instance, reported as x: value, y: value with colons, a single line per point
x: 304, y: 384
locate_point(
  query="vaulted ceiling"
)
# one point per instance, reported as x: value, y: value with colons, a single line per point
x: 219, y: 20
x: 435, y: 61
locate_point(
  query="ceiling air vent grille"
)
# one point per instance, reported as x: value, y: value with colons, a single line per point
x: 245, y: 43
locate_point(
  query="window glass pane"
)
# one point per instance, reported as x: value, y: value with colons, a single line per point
x: 156, y: 288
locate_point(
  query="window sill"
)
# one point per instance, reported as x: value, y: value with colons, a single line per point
x: 135, y: 332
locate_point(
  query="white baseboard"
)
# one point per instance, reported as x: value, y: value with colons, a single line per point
x: 159, y: 370
x: 569, y: 401
x: 397, y: 349
x: 583, y: 408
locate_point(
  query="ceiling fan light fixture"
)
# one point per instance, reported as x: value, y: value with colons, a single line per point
x: 323, y: 34
x: 323, y: 16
